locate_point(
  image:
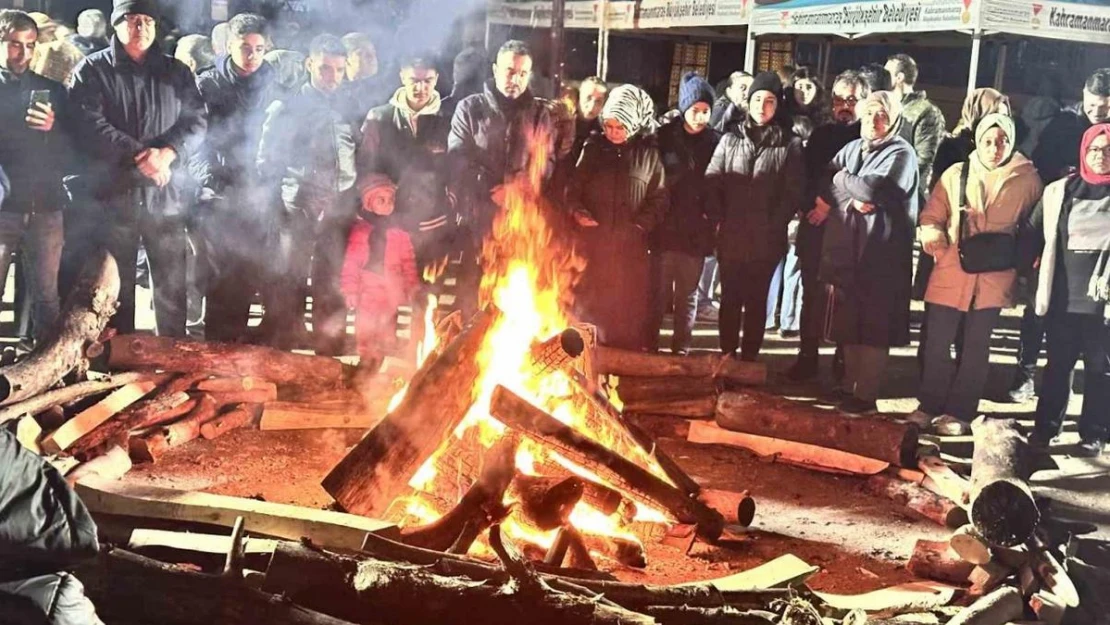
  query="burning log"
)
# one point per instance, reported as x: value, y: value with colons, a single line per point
x: 525, y: 418
x: 240, y: 416
x: 379, y: 467
x: 72, y: 393
x: 578, y: 555
x: 547, y: 502
x: 281, y: 368
x: 934, y: 560
x: 917, y: 500
x: 626, y: 551
x: 1002, y: 506
x: 736, y: 508
x: 613, y: 361
x: 696, y: 408
x: 82, y: 321
x: 763, y: 414
x: 635, y: 388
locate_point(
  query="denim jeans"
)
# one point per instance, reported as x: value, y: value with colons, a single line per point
x: 676, y: 286
x: 786, y: 283
x: 710, y: 278
x: 39, y: 238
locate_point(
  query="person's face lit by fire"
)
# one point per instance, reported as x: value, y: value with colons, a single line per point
x: 247, y: 53
x: 697, y: 117
x: 763, y: 107
x: 420, y: 85
x: 326, y: 71
x: 876, y: 122
x: 846, y: 97
x: 17, y: 50
x: 511, y: 74
x: 380, y: 200
x: 591, y: 99
x: 1096, y: 107
x: 136, y: 32
x: 1098, y: 155
x: 362, y: 63
x: 615, y: 131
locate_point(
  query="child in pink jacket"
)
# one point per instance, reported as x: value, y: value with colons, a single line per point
x: 379, y: 270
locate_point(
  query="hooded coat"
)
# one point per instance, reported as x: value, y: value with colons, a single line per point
x: 868, y: 259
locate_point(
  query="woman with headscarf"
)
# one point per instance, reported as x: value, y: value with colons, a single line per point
x: 756, y: 182
x: 867, y: 253
x: 1073, y: 294
x: 996, y: 193
x: 617, y: 196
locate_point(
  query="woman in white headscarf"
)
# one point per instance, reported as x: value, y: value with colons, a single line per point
x: 617, y: 197
x: 867, y: 254
x: 997, y: 192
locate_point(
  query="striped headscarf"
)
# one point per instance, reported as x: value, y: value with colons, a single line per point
x: 632, y: 107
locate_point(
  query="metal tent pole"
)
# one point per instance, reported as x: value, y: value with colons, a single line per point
x: 603, y: 41
x: 1000, y: 70
x: 749, y: 52
x: 973, y: 71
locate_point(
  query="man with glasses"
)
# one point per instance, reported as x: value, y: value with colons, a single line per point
x: 848, y: 90
x: 139, y: 117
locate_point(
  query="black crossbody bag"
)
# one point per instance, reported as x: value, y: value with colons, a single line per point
x: 987, y: 251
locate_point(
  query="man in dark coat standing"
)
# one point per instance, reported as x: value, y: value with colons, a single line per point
x: 681, y: 243
x: 849, y: 89
x: 490, y: 143
x: 308, y: 147
x: 34, y: 151
x: 139, y: 117
x: 230, y: 214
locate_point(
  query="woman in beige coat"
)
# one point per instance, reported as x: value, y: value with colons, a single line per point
x: 1002, y: 188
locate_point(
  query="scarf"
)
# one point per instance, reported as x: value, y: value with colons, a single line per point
x: 995, y: 120
x: 402, y: 104
x: 1089, y: 176
x: 889, y: 103
x: 632, y: 107
x: 977, y: 106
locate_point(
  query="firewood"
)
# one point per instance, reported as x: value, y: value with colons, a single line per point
x: 605, y: 499
x: 997, y: 608
x: 633, y: 388
x: 28, y: 432
x: 188, y: 429
x: 801, y: 454
x: 1053, y: 576
x: 736, y: 508
x: 281, y: 368
x: 988, y: 576
x: 1002, y: 505
x: 934, y: 560
x: 557, y: 552
x: 917, y: 500
x: 970, y: 546
x: 257, y: 395
x: 1049, y: 608
x: 691, y: 408
x: 68, y: 394
x: 661, y: 426
x: 377, y: 470
x: 148, y: 449
x: 233, y: 384
x: 944, y: 481
x: 85, y: 422
x: 578, y: 555
x: 547, y: 502
x: 82, y: 320
x: 521, y: 416
x: 240, y: 416
x: 683, y: 615
x: 283, y: 415
x: 763, y: 414
x: 613, y: 361
x: 624, y: 550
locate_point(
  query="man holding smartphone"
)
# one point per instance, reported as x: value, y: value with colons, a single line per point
x: 33, y: 153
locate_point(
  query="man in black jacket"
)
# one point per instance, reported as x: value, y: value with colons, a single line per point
x: 229, y: 216
x: 849, y: 88
x: 33, y: 152
x: 308, y: 146
x: 491, y: 143
x: 1058, y: 151
x: 139, y: 117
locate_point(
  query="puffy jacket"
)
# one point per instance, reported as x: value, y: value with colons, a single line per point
x: 309, y: 142
x: 35, y: 161
x: 236, y: 111
x: 998, y: 201
x: 686, y: 227
x: 378, y: 279
x: 413, y: 153
x: 1057, y: 151
x: 121, y: 108
x: 755, y: 189
x: 923, y: 127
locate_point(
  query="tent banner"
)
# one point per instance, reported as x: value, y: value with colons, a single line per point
x: 687, y: 13
x: 866, y: 16
x: 579, y: 14
x: 1076, y: 21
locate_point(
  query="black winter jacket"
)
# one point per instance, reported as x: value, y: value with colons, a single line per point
x: 1057, y: 152
x: 236, y: 111
x: 825, y: 142
x: 121, y: 108
x: 686, y: 227
x: 309, y: 142
x: 34, y: 161
x: 755, y: 189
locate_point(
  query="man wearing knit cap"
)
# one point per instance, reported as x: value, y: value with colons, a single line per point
x: 681, y: 244
x: 139, y: 118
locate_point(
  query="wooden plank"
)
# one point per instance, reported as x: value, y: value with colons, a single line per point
x: 323, y: 527
x: 87, y: 421
x: 143, y: 538
x: 809, y: 456
x: 280, y: 415
x: 911, y: 597
x: 942, y: 480
x: 783, y: 571
x: 27, y: 432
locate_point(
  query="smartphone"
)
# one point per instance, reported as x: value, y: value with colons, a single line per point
x: 39, y: 96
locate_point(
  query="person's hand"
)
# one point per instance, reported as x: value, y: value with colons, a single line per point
x: 819, y: 214
x: 863, y: 207
x: 155, y: 162
x: 584, y: 219
x: 934, y: 246
x: 497, y: 194
x: 40, y: 117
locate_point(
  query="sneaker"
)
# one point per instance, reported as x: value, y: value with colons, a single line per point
x: 789, y: 334
x: 857, y: 407
x: 921, y: 418
x: 1040, y: 441
x: 802, y: 371
x: 1089, y: 449
x: 947, y: 425
x: 1024, y: 390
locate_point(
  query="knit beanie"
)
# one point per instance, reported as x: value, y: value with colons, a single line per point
x: 372, y: 182
x: 765, y: 81
x: 122, y: 8
x: 694, y: 89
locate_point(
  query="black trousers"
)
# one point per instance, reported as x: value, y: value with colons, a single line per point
x: 813, y: 313
x: 230, y: 244
x: 1070, y: 337
x: 1032, y: 339
x: 165, y: 241
x: 744, y: 290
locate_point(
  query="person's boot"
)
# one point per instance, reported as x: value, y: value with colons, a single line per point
x: 1092, y: 448
x: 803, y: 369
x: 1024, y: 388
x: 838, y: 367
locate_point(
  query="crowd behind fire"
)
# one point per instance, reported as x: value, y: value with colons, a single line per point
x: 241, y: 171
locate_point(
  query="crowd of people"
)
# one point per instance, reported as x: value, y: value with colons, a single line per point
x: 245, y: 172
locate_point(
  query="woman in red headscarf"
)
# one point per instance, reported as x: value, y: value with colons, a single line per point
x: 1074, y: 294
